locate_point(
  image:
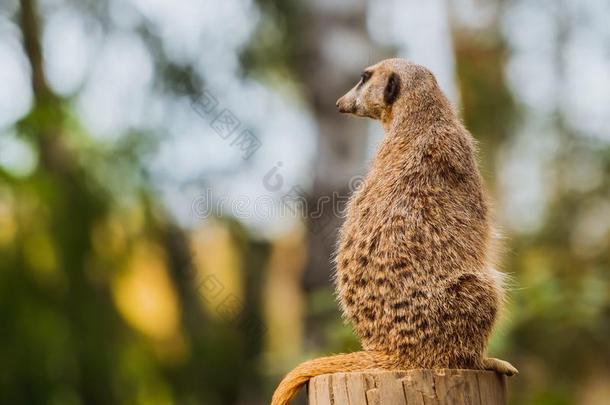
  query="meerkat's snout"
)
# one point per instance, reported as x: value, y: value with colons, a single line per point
x: 350, y: 103
x: 347, y: 103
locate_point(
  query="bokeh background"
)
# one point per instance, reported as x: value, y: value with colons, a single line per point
x: 172, y: 175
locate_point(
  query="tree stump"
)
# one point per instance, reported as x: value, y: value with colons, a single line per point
x: 414, y: 387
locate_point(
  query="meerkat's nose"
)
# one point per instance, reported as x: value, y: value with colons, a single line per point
x: 347, y: 102
x: 340, y: 105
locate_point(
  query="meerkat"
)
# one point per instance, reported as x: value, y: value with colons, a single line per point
x: 414, y: 267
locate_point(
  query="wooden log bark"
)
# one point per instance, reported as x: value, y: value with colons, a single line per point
x: 414, y: 387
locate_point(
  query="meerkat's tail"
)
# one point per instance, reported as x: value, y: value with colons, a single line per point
x: 324, y: 365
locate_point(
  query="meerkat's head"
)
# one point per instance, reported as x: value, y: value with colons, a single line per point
x: 384, y: 85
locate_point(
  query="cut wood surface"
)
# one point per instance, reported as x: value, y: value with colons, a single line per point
x: 414, y: 387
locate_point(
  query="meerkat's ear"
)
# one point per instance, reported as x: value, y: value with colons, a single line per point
x: 392, y: 89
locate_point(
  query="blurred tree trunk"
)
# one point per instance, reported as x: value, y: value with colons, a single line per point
x: 337, y: 48
x: 487, y: 105
x: 71, y: 201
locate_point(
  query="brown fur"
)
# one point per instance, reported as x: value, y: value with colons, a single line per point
x: 414, y: 272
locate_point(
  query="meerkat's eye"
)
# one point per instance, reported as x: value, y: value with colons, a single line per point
x: 366, y: 75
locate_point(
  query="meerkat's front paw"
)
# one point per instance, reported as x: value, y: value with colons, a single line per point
x: 499, y: 366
